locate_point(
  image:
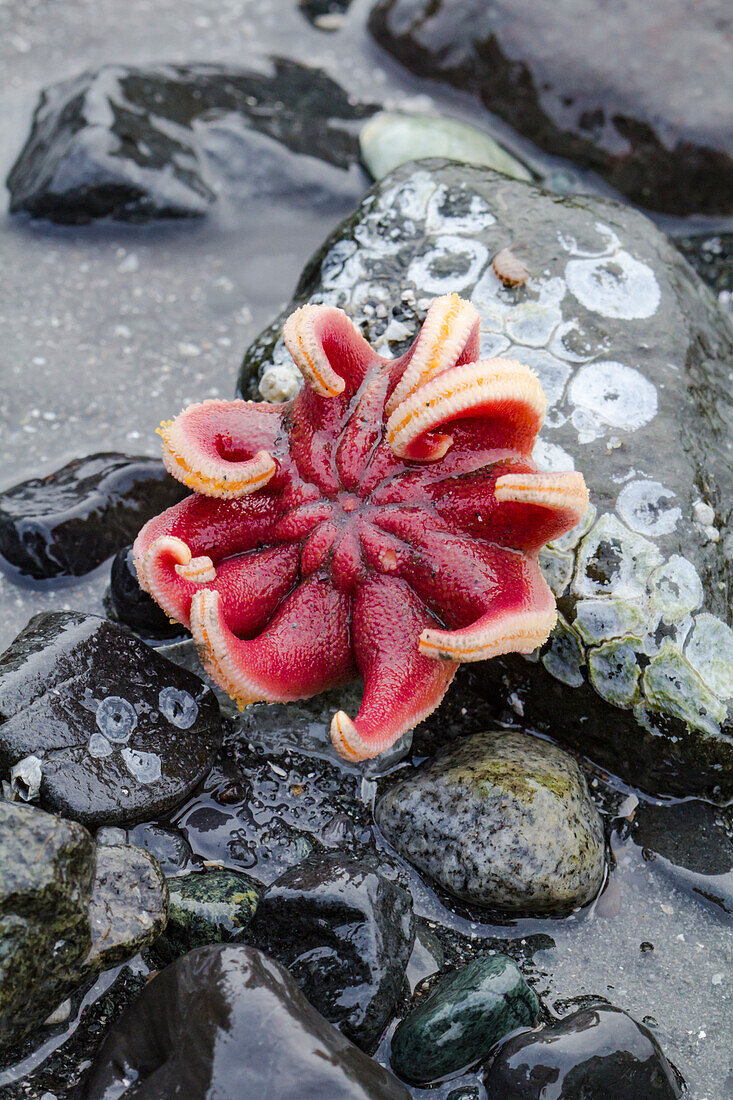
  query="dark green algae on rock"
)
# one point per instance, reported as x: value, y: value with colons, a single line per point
x: 635, y: 358
x: 205, y: 907
x: 465, y: 1014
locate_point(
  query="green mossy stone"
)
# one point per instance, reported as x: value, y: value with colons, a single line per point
x: 46, y: 874
x: 466, y: 1013
x: 206, y: 907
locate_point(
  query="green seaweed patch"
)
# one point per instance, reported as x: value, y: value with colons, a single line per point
x: 672, y: 686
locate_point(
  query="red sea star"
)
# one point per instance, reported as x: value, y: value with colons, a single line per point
x: 386, y: 522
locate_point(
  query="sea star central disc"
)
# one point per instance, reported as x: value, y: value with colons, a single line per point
x: 385, y: 522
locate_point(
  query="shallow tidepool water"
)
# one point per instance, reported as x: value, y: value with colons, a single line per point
x: 109, y: 329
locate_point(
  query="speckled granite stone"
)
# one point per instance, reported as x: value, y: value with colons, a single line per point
x: 502, y: 820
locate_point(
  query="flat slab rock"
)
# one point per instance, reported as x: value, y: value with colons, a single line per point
x: 68, y: 523
x: 634, y: 356
x: 229, y: 1022
x: 140, y: 143
x: 120, y: 733
x: 632, y: 91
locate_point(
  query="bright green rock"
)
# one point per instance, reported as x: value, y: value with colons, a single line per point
x: 206, y: 907
x: 465, y: 1014
x: 391, y: 138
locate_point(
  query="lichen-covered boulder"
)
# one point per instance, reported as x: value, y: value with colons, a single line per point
x: 500, y: 819
x: 67, y: 912
x: 591, y: 82
x: 97, y: 725
x: 47, y: 872
x: 634, y: 356
x: 227, y: 1021
x: 463, y: 1016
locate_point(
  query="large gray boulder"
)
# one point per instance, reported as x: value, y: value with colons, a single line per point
x: 635, y: 358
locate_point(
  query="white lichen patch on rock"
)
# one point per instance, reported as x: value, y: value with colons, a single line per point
x: 614, y: 672
x: 564, y: 655
x: 616, y: 394
x: 672, y: 686
x: 675, y: 589
x: 645, y: 506
x: 557, y: 569
x: 612, y: 560
x: 143, y: 766
x: 601, y: 620
x: 116, y: 718
x: 611, y: 282
x: 710, y: 652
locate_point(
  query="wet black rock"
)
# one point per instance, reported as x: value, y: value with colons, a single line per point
x: 692, y: 843
x: 345, y: 932
x: 634, y: 356
x: 597, y: 1052
x: 119, y: 732
x: 268, y: 811
x: 130, y: 604
x: 633, y: 92
x: 68, y: 523
x: 154, y: 153
x: 67, y: 912
x: 212, y: 906
x: 167, y: 845
x: 228, y: 1021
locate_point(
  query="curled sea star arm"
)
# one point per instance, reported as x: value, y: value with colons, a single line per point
x: 449, y: 337
x: 226, y: 449
x: 201, y: 541
x: 304, y: 650
x: 401, y: 687
x: 328, y: 349
x: 250, y: 586
x: 519, y: 619
x: 504, y: 397
x: 514, y: 505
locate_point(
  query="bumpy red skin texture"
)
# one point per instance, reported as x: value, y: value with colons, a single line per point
x: 338, y: 564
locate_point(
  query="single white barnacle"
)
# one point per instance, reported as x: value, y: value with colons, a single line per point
x: 25, y: 778
x: 178, y: 707
x: 116, y: 718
